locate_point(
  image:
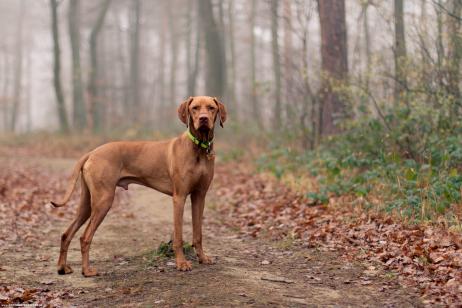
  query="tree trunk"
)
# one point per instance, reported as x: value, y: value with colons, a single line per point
x: 367, y: 43
x: 400, y: 53
x: 288, y: 57
x: 232, y: 61
x: 276, y: 65
x: 18, y: 63
x: 93, y: 108
x: 192, y: 76
x: 134, y: 88
x: 439, y: 42
x: 63, y: 122
x: 172, y: 24
x: 6, y: 89
x: 215, y: 78
x: 423, y: 33
x: 122, y: 81
x: 29, y: 89
x: 253, y: 76
x: 78, y: 104
x: 454, y: 55
x: 189, y: 45
x: 334, y: 63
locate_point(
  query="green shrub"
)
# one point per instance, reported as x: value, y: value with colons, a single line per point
x: 410, y: 159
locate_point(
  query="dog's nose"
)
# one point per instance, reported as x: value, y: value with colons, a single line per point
x: 203, y: 119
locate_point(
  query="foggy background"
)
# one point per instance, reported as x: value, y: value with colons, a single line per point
x: 153, y: 54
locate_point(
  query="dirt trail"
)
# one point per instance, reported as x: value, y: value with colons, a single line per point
x: 122, y: 252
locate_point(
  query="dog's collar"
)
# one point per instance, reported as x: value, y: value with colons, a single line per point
x: 203, y: 144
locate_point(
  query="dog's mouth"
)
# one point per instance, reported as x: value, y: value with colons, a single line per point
x: 204, y: 128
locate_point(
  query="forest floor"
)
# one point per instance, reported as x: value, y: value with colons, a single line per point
x: 250, y: 271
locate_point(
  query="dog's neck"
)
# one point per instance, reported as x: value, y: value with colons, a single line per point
x: 204, y: 136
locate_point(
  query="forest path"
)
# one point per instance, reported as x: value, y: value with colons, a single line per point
x: 122, y: 252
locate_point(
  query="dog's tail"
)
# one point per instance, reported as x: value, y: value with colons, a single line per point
x: 74, y: 178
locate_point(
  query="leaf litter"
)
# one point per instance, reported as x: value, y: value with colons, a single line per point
x: 428, y: 257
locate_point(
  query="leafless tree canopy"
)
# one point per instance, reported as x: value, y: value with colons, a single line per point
x: 301, y: 65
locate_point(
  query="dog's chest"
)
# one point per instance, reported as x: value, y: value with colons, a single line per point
x: 200, y: 171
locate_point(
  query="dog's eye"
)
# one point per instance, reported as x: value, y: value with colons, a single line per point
x: 195, y: 108
x: 211, y: 108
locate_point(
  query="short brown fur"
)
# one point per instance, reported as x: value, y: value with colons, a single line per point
x: 176, y: 167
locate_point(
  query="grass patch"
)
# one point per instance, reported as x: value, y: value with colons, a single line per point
x: 165, y: 251
x: 285, y: 243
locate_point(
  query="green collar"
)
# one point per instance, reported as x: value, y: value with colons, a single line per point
x: 203, y: 144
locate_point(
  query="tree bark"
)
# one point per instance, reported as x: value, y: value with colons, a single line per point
x: 367, y: 43
x: 172, y: 24
x: 18, y: 64
x: 63, y: 122
x: 232, y: 108
x: 78, y: 104
x: 399, y: 53
x: 215, y: 77
x: 6, y: 89
x: 93, y: 112
x: 288, y: 57
x: 253, y: 76
x: 194, y: 70
x: 276, y: 65
x: 134, y: 88
x: 454, y: 55
x: 334, y: 63
x: 189, y: 45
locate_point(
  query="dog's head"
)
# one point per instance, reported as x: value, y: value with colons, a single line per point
x: 201, y: 112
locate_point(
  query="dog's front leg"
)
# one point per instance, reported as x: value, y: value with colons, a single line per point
x: 178, y: 208
x: 197, y: 207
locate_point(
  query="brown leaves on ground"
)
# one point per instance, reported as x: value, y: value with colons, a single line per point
x: 42, y: 297
x: 26, y: 218
x: 25, y: 192
x: 428, y: 257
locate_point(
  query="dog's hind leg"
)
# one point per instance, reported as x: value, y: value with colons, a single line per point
x: 101, y: 202
x: 83, y: 213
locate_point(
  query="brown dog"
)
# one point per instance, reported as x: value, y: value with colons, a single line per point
x: 178, y: 167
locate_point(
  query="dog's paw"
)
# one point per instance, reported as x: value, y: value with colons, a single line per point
x: 90, y: 272
x: 64, y: 269
x: 183, y: 265
x: 206, y: 260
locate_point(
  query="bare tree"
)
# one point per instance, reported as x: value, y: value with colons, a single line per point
x: 253, y: 76
x: 215, y: 79
x: 173, y: 31
x: 193, y: 61
x: 400, y: 52
x: 73, y: 16
x: 288, y: 55
x: 134, y: 87
x: 276, y: 64
x: 367, y: 43
x: 232, y: 61
x: 5, y: 99
x: 334, y: 63
x: 18, y: 67
x: 63, y: 122
x: 93, y: 106
x: 454, y: 53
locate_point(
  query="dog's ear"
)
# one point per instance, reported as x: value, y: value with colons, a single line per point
x: 221, y: 111
x: 183, y: 110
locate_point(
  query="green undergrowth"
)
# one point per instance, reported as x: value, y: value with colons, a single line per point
x: 165, y: 251
x: 405, y: 163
